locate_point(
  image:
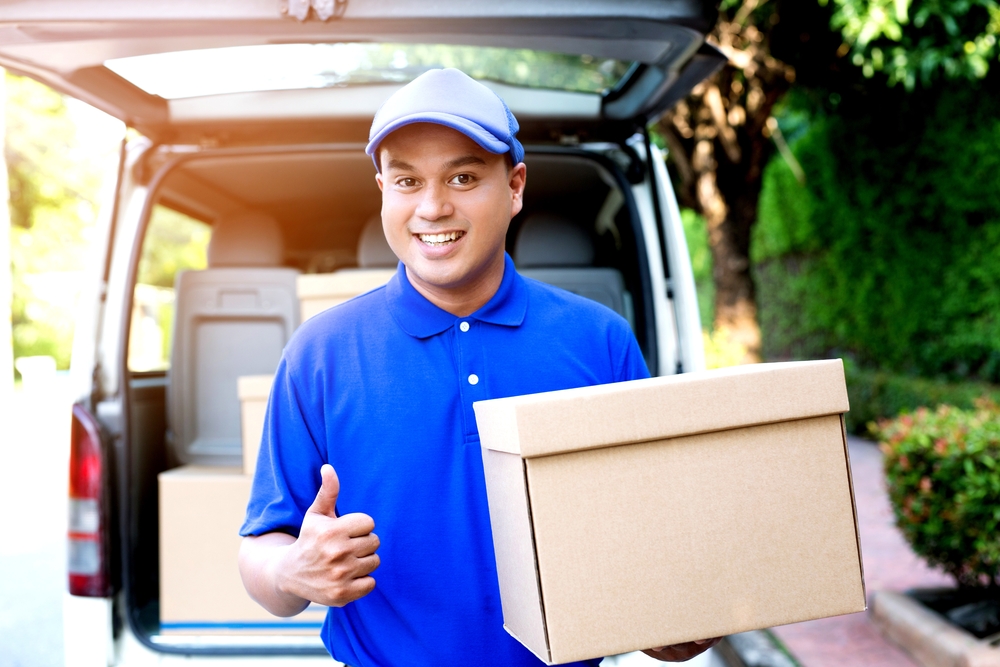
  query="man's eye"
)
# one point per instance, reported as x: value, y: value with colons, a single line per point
x: 407, y: 182
x: 462, y: 179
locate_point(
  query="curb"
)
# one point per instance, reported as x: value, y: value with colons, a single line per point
x: 927, y: 637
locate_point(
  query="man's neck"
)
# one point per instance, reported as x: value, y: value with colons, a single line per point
x: 463, y: 300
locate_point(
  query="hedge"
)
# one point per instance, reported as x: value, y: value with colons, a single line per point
x: 877, y: 395
x: 890, y: 251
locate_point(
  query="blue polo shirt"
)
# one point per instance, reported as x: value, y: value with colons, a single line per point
x: 382, y: 387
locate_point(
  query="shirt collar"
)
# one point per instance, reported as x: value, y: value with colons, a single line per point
x: 422, y: 319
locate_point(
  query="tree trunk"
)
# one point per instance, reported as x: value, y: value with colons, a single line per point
x: 6, y: 280
x: 719, y: 143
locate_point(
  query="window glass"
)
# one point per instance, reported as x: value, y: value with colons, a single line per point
x: 174, y: 242
x: 292, y: 66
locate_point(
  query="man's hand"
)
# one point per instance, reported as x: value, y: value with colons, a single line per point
x: 682, y: 652
x: 330, y: 563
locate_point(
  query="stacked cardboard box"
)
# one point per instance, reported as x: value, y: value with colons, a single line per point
x: 201, y: 510
x: 661, y: 511
x: 320, y: 291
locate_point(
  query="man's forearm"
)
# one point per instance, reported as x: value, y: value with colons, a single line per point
x: 259, y: 567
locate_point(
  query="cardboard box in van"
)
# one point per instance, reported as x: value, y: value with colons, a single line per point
x: 201, y: 510
x: 320, y: 291
x: 648, y: 513
x: 253, y: 391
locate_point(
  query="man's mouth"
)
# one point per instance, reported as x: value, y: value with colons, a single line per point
x: 440, y: 239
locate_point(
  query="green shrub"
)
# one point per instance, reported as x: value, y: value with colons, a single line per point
x: 890, y: 251
x: 696, y: 234
x: 877, y: 395
x: 943, y: 471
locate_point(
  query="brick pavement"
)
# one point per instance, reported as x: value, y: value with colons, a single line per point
x: 889, y: 565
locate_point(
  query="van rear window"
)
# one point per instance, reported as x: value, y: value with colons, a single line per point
x: 263, y: 67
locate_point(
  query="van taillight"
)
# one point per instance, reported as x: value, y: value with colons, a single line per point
x: 87, y: 557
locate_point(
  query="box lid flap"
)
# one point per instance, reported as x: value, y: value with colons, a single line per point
x: 664, y: 407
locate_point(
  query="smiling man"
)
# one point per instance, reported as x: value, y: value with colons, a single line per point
x: 370, y: 420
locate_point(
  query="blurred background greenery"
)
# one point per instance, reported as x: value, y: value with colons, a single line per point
x: 59, y: 153
x: 843, y: 187
x: 840, y: 180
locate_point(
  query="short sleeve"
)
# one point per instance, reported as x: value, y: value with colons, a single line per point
x: 288, y: 465
x: 631, y: 365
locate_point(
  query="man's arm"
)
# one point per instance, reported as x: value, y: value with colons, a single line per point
x: 329, y: 563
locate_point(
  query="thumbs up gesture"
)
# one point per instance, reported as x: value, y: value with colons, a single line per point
x: 334, y: 556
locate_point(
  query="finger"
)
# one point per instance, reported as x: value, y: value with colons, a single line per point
x: 366, y: 545
x: 326, y: 498
x: 357, y: 524
x: 367, y: 565
x: 361, y: 587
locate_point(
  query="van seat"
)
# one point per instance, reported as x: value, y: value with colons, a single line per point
x: 232, y: 319
x: 556, y: 251
x: 376, y: 265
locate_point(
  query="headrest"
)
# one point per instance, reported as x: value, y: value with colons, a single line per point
x: 549, y: 240
x: 373, y: 249
x: 247, y: 238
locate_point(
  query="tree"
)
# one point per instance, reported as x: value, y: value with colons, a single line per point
x: 6, y: 284
x: 718, y: 141
x: 723, y: 135
x: 53, y: 182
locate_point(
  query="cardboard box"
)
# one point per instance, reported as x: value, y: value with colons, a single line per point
x: 201, y: 510
x: 253, y: 391
x: 319, y: 291
x: 648, y: 513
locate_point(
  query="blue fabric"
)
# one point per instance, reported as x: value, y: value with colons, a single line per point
x: 379, y: 388
x: 451, y: 98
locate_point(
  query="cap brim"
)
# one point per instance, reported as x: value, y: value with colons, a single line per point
x: 474, y: 131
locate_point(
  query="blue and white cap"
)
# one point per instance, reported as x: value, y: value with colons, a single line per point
x: 451, y: 98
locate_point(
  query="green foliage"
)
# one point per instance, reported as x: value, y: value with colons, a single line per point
x: 696, y: 234
x: 920, y: 42
x: 890, y: 253
x: 943, y: 473
x: 53, y: 187
x: 174, y: 242
x: 877, y: 395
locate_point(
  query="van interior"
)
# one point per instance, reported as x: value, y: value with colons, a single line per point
x: 228, y: 238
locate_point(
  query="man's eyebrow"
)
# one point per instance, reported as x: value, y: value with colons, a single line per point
x: 399, y: 165
x: 465, y: 160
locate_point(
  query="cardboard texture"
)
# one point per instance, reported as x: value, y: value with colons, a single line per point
x: 660, y: 511
x: 253, y: 391
x: 201, y: 510
x: 320, y: 291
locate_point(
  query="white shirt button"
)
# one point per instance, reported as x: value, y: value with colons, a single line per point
x: 473, y: 379
x: 464, y: 326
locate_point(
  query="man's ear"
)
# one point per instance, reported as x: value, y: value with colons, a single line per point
x: 515, y: 180
x: 378, y: 179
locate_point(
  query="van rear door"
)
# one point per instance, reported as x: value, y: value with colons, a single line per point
x: 68, y: 45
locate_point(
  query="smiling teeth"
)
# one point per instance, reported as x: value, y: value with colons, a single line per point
x: 440, y: 239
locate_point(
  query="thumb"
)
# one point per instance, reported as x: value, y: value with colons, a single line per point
x: 326, y: 497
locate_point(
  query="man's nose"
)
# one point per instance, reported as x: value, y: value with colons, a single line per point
x: 435, y: 202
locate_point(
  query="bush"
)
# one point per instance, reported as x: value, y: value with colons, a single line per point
x: 943, y: 473
x: 877, y: 395
x: 890, y: 252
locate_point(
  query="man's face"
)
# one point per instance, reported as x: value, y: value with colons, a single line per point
x: 446, y: 206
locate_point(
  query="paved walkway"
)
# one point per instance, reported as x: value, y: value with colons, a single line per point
x: 889, y: 565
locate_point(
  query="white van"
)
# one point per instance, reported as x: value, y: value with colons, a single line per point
x: 250, y: 110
